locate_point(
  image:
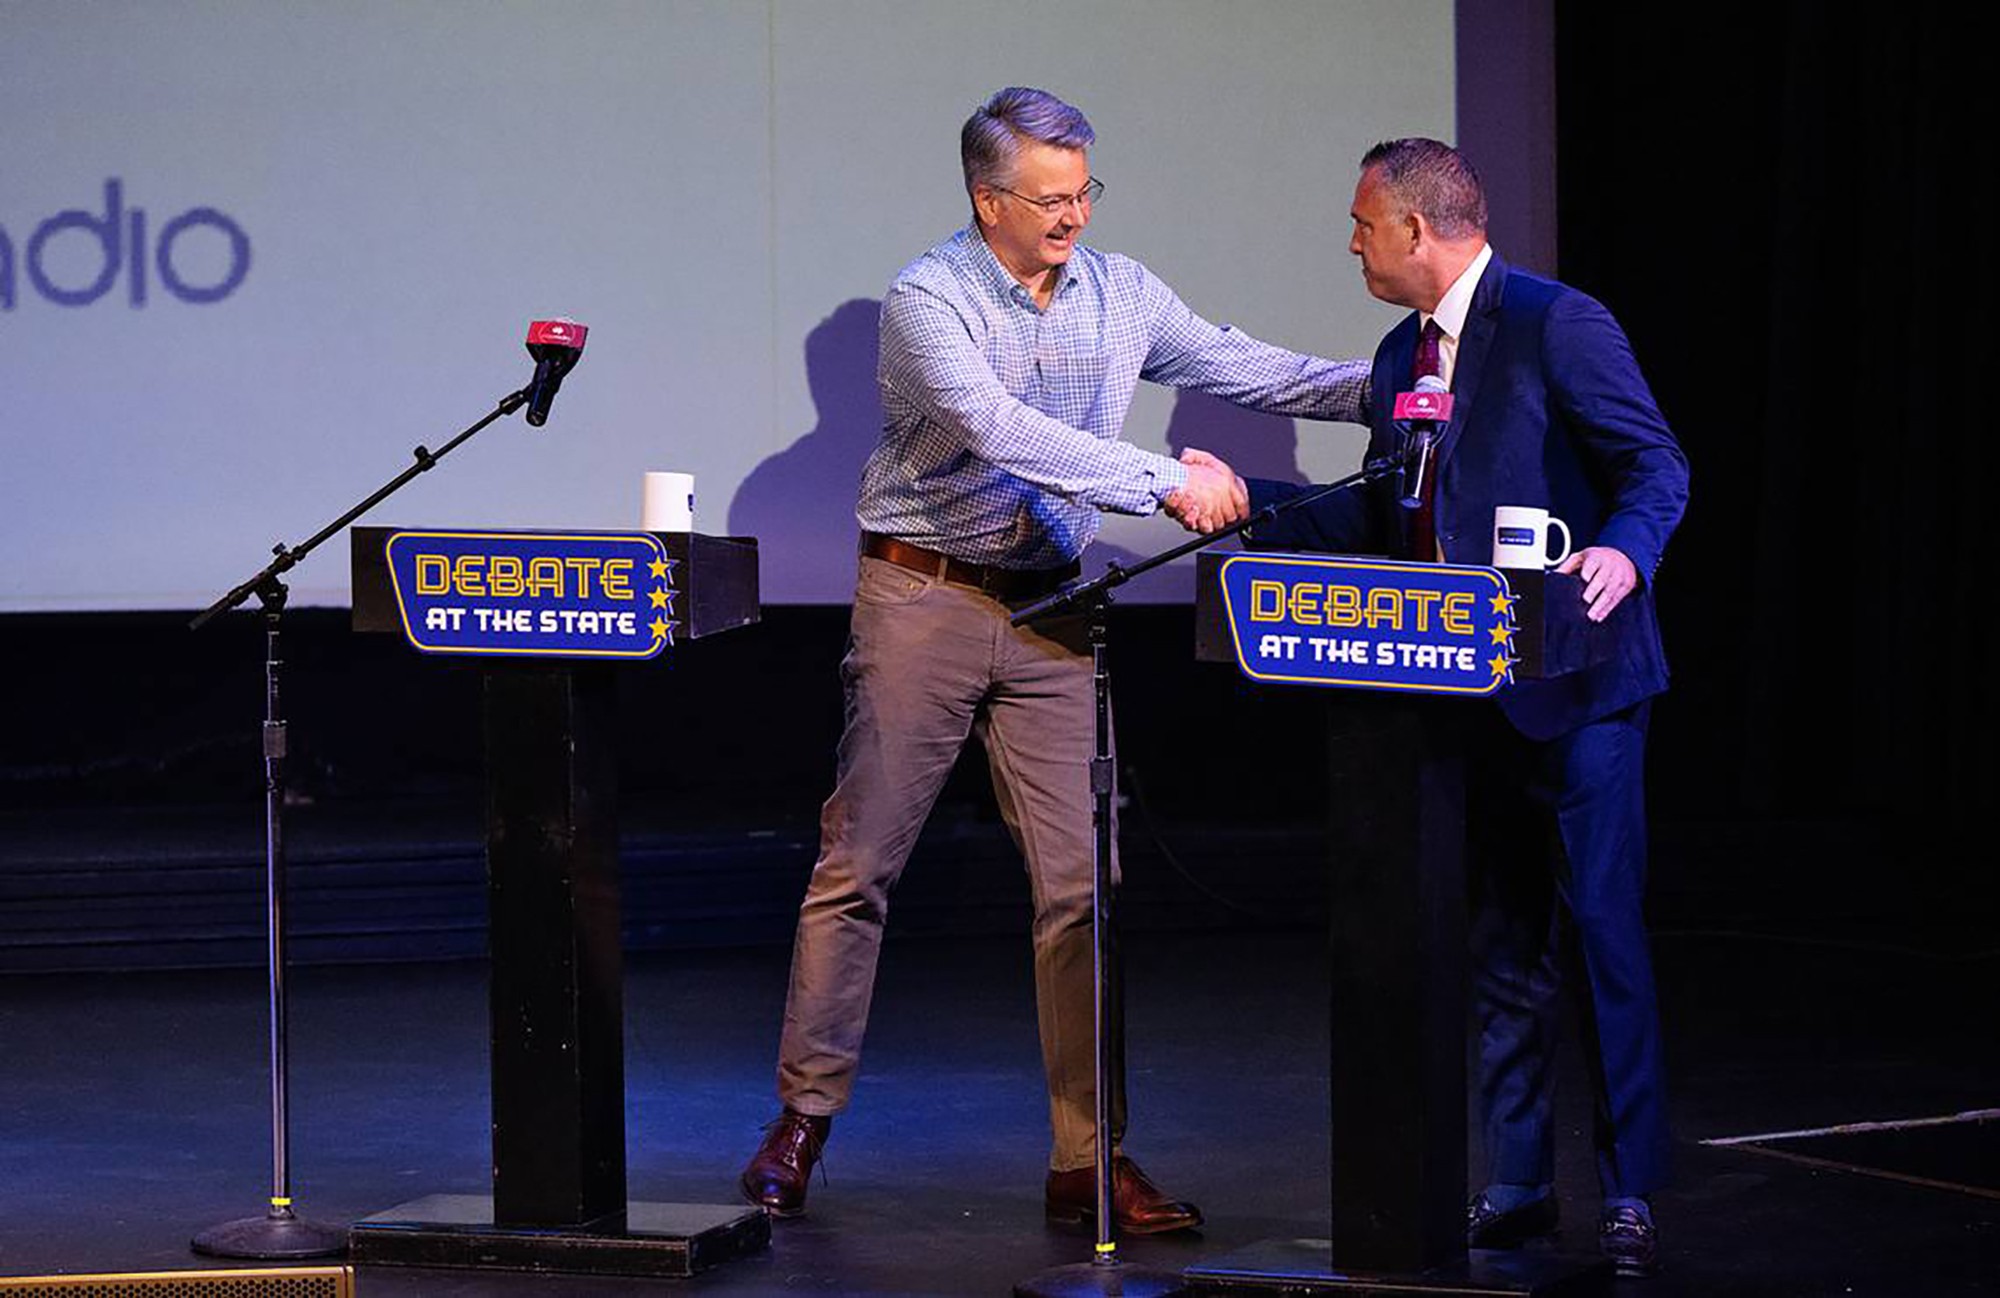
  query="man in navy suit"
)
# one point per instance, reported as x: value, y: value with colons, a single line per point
x: 1550, y: 411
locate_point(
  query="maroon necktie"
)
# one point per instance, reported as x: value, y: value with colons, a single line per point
x: 1423, y: 520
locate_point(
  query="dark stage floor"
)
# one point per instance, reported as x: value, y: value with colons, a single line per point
x: 134, y: 1112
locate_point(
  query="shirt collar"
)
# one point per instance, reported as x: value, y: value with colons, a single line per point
x: 997, y: 275
x: 1456, y: 303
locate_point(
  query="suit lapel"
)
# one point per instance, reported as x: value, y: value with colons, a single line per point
x: 1394, y: 360
x: 1480, y: 322
x: 1392, y: 371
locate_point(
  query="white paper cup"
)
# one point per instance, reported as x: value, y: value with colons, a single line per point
x: 669, y: 503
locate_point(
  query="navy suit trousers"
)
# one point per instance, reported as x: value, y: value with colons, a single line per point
x: 1557, y: 872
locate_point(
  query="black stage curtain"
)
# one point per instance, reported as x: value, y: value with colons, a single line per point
x: 1789, y: 213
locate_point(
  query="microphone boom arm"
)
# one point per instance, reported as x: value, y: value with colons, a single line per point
x: 1078, y: 592
x: 288, y: 557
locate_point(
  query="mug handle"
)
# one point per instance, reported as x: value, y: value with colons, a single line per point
x: 1557, y: 522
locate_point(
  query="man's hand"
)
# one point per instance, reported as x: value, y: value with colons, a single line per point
x: 1608, y: 577
x: 1213, y: 498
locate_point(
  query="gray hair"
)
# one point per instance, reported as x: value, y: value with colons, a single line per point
x: 1432, y: 178
x: 989, y: 145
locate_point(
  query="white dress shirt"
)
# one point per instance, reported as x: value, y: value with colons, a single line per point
x: 1452, y: 309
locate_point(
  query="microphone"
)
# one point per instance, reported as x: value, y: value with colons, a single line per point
x: 1423, y: 414
x: 555, y: 345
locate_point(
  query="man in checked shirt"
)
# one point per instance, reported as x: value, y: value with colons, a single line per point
x: 1009, y: 357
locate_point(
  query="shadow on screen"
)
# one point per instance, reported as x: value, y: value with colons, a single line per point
x: 799, y: 503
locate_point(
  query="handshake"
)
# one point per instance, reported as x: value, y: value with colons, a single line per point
x: 1213, y: 498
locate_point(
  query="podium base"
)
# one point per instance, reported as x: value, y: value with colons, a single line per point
x: 1305, y: 1266
x: 1101, y: 1280
x: 458, y: 1231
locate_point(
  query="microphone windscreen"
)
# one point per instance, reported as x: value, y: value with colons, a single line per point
x: 560, y: 332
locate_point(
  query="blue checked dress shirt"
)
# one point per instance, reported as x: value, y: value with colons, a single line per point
x: 1000, y: 440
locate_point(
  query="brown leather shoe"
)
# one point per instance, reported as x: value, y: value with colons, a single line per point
x: 1140, y: 1207
x: 781, y: 1169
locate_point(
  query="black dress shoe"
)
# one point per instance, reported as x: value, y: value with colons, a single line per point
x: 1138, y: 1206
x: 1488, y: 1227
x: 1629, y: 1238
x: 779, y: 1172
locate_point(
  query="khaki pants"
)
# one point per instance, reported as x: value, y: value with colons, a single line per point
x: 927, y: 664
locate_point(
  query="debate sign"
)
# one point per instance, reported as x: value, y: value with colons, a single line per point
x: 1370, y: 624
x: 539, y: 594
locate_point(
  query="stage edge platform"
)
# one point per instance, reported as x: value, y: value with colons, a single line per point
x: 1305, y: 1266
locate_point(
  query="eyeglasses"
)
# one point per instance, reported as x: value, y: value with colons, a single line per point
x: 1083, y: 198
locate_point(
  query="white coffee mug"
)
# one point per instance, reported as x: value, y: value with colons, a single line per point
x: 669, y: 503
x: 1521, y: 537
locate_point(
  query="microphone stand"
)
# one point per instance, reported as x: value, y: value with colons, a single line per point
x: 1105, y: 1275
x: 280, y: 1233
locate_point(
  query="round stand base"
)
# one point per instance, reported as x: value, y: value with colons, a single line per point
x: 1101, y: 1280
x: 273, y: 1237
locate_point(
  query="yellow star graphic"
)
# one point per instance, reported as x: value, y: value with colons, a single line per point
x: 659, y: 598
x: 658, y: 568
x: 1499, y: 634
x: 658, y: 626
x: 1502, y: 603
x: 1498, y: 663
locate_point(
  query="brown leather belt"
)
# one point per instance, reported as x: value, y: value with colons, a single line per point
x: 1001, y: 583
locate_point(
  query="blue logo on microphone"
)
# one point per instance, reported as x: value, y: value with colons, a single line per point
x: 122, y: 246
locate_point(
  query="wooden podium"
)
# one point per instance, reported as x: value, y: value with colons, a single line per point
x: 1396, y: 1128
x: 557, y: 997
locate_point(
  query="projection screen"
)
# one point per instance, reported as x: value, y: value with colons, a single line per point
x: 251, y: 254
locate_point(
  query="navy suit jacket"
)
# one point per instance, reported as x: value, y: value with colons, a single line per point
x: 1549, y: 410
